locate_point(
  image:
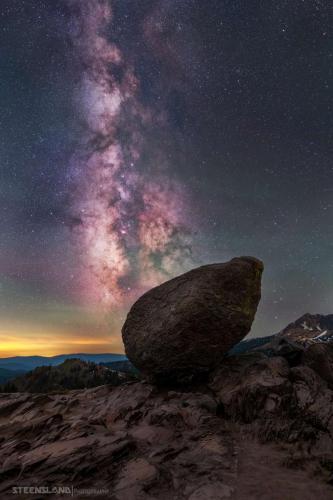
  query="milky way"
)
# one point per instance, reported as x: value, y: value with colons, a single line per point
x: 129, y: 222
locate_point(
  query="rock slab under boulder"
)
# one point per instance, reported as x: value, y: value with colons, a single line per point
x: 184, y: 326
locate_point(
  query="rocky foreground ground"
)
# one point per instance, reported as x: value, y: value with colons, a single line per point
x: 260, y: 428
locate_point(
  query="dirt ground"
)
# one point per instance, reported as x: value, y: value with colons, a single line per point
x: 264, y: 475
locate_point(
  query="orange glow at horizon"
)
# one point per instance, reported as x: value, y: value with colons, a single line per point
x: 28, y: 342
x: 47, y: 327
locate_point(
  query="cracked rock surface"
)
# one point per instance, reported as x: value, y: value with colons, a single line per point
x: 258, y: 429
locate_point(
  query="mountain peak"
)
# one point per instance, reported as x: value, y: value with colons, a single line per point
x: 310, y: 327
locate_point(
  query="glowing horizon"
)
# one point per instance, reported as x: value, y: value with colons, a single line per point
x: 50, y: 327
x: 26, y: 343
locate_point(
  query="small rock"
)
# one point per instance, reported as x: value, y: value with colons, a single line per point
x: 319, y: 357
x: 213, y: 491
x: 136, y: 471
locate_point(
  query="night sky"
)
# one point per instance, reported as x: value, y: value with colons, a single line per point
x: 139, y: 139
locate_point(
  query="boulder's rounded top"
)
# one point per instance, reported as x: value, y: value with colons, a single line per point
x: 251, y: 260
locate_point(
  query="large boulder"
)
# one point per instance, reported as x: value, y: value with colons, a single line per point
x: 185, y: 326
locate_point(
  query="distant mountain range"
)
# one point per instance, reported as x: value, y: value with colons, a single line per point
x: 27, y: 363
x: 71, y: 374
